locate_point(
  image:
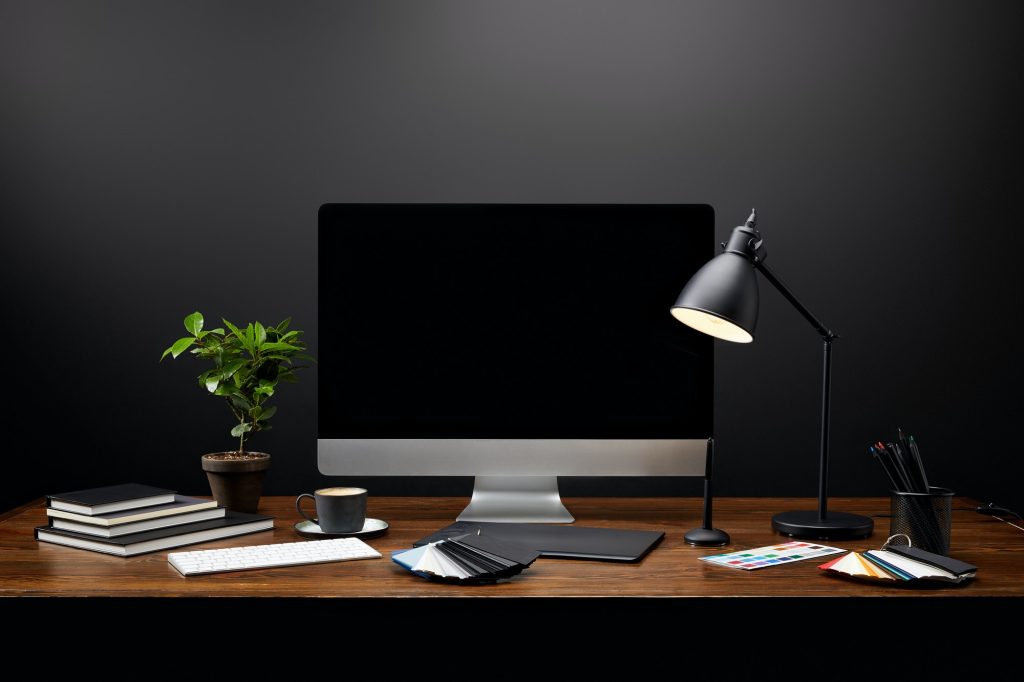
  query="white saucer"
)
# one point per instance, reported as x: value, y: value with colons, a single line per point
x: 371, y: 529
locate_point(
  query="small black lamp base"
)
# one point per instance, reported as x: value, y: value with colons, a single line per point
x: 835, y: 526
x: 706, y: 537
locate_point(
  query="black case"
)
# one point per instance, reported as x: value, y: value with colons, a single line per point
x: 954, y: 566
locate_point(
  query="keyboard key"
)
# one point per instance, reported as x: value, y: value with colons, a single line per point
x: 270, y: 556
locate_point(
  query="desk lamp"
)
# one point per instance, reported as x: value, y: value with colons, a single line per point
x: 721, y: 300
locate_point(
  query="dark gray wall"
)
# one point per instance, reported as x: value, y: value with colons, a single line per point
x: 156, y: 158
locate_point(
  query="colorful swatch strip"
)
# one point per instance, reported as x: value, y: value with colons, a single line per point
x: 772, y: 555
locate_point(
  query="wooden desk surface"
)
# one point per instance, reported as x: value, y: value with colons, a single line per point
x: 28, y: 567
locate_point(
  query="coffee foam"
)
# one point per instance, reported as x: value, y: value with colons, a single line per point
x: 340, y: 492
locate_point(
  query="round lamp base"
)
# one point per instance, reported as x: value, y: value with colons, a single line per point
x: 706, y: 537
x: 835, y: 526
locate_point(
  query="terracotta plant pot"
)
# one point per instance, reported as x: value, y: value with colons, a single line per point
x: 236, y: 480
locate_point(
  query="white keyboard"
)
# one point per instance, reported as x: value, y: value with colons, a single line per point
x: 270, y: 556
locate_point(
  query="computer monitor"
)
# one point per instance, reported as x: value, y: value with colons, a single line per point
x: 510, y: 342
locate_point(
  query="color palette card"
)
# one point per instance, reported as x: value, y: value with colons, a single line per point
x: 772, y: 555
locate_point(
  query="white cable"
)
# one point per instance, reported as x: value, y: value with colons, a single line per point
x: 1005, y: 521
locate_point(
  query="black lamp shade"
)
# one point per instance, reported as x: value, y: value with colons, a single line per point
x: 721, y: 299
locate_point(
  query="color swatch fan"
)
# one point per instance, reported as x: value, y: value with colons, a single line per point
x: 900, y: 565
x: 467, y: 558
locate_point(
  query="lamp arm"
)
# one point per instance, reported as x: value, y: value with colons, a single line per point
x: 826, y: 381
x: 769, y: 275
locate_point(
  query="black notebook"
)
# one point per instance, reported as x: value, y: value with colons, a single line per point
x: 73, y: 522
x: 110, y: 498
x: 571, y: 542
x: 232, y: 524
x: 180, y: 505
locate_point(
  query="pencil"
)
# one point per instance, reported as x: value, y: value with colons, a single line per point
x: 920, y: 462
x: 888, y: 474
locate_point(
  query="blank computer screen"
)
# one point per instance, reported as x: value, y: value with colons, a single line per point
x: 510, y: 321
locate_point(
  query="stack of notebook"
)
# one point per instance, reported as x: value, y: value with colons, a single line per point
x: 900, y: 564
x: 131, y: 519
x: 467, y: 558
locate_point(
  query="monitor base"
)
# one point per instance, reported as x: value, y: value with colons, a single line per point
x: 516, y: 499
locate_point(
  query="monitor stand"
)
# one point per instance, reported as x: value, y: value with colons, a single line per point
x: 516, y: 499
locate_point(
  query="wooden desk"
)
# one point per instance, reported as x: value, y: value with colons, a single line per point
x: 32, y: 568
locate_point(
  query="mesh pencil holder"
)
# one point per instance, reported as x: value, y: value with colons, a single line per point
x: 926, y: 518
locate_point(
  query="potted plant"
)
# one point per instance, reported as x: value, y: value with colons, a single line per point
x: 247, y: 366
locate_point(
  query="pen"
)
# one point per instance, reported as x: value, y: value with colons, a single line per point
x: 919, y: 508
x: 888, y: 474
x: 902, y: 439
x: 911, y: 487
x: 920, y: 462
x: 879, y: 450
x: 901, y: 477
x: 903, y: 450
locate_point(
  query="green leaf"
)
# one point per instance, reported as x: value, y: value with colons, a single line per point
x: 194, y: 323
x: 285, y: 337
x: 268, y: 413
x: 240, y: 403
x: 239, y: 429
x: 218, y: 330
x: 283, y: 325
x: 265, y: 388
x: 236, y: 331
x: 179, y: 346
x: 303, y: 356
x: 269, y: 347
x: 289, y: 377
x: 230, y: 350
x: 279, y: 358
x: 260, y: 337
x: 231, y: 368
x: 212, y: 382
x: 225, y: 390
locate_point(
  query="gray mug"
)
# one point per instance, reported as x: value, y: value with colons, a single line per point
x: 338, y: 510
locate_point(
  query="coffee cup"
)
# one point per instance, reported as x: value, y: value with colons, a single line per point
x: 338, y: 510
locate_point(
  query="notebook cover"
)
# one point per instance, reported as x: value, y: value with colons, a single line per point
x: 954, y: 566
x: 575, y: 542
x: 181, y: 505
x: 110, y: 494
x: 231, y: 518
x: 138, y: 526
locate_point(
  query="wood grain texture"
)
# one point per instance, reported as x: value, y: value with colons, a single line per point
x: 28, y: 567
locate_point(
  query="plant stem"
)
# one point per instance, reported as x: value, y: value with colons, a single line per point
x: 241, y: 440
